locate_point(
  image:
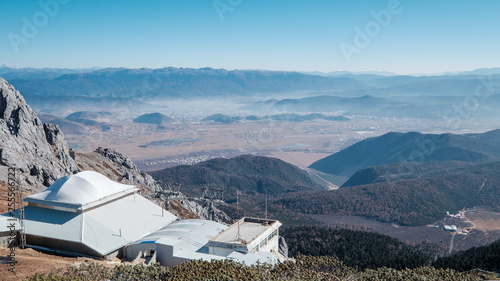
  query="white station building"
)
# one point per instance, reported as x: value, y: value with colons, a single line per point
x: 88, y: 214
x: 249, y: 241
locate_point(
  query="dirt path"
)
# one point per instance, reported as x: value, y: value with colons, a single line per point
x: 482, y: 185
x: 30, y: 261
x: 330, y: 185
x: 467, y: 219
x: 451, y: 242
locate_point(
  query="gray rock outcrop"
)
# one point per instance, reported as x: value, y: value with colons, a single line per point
x: 282, y: 247
x: 202, y: 211
x: 39, y: 151
x: 115, y: 166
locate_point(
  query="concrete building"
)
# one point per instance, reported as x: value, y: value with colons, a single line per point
x: 88, y: 214
x: 451, y: 228
x: 248, y: 235
x: 178, y: 242
x: 248, y: 241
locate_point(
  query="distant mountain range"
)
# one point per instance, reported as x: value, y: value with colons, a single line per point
x: 422, y: 107
x: 10, y: 73
x: 366, y: 94
x: 173, y: 82
x: 411, y: 147
x: 479, y: 71
x: 349, y: 73
x: 365, y: 105
x: 321, y: 104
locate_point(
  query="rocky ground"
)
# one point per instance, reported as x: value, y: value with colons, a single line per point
x: 30, y: 261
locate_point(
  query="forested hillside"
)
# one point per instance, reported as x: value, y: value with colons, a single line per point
x: 354, y: 248
x: 404, y: 193
x: 404, y: 171
x: 414, y: 201
x: 249, y: 174
x: 485, y: 258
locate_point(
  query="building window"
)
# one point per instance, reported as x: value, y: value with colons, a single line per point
x: 262, y: 243
x: 271, y: 236
x: 254, y: 250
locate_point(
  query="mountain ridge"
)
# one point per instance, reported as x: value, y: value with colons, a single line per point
x: 178, y: 82
x: 411, y: 147
x: 246, y: 173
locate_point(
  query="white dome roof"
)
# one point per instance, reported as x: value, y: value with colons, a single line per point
x: 80, y: 189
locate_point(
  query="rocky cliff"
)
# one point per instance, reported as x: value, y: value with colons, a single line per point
x: 39, y: 151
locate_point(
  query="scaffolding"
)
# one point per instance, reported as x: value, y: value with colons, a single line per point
x: 209, y: 198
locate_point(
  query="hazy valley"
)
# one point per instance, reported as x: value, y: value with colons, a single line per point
x: 351, y: 154
x: 212, y: 113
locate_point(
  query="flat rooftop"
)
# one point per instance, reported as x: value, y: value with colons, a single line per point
x: 249, y: 229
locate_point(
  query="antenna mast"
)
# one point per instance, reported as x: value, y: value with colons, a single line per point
x: 22, y: 226
x: 266, y: 222
x: 238, y: 236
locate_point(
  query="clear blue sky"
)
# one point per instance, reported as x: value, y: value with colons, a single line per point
x: 423, y: 37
